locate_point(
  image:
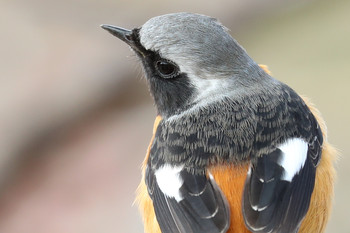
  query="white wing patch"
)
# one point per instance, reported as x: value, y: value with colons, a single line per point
x: 294, y: 156
x: 169, y: 181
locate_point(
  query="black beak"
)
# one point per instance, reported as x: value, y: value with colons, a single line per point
x: 127, y: 36
x: 123, y: 34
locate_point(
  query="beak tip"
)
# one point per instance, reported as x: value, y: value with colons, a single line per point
x: 105, y: 27
x: 118, y: 32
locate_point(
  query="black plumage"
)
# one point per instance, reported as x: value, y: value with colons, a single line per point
x: 203, y: 208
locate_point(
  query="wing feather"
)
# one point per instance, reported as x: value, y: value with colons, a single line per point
x: 270, y: 202
x: 201, y: 209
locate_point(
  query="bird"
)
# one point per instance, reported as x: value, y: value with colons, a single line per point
x: 233, y: 149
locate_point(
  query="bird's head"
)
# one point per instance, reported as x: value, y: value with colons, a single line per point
x: 189, y: 60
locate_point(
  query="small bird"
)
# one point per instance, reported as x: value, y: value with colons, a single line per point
x: 233, y: 149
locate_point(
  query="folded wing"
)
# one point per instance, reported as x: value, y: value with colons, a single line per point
x: 278, y: 187
x: 185, y: 202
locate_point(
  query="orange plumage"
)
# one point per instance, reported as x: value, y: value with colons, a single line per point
x: 231, y: 179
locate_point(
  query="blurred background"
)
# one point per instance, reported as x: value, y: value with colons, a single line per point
x: 76, y: 116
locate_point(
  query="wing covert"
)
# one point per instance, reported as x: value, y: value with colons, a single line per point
x: 278, y: 188
x: 187, y: 203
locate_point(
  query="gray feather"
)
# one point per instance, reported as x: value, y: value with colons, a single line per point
x: 184, y: 38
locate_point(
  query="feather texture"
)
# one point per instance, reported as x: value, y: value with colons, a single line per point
x: 198, y: 206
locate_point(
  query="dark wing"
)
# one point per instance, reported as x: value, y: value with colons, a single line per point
x: 279, y: 186
x: 186, y: 202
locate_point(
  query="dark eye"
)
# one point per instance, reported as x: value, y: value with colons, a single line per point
x: 166, y: 68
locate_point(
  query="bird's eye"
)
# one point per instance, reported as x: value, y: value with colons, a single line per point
x: 166, y: 68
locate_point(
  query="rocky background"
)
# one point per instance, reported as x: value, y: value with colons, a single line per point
x: 76, y: 116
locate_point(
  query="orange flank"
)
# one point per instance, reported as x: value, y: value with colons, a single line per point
x: 143, y: 199
x: 319, y: 211
x: 231, y: 179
